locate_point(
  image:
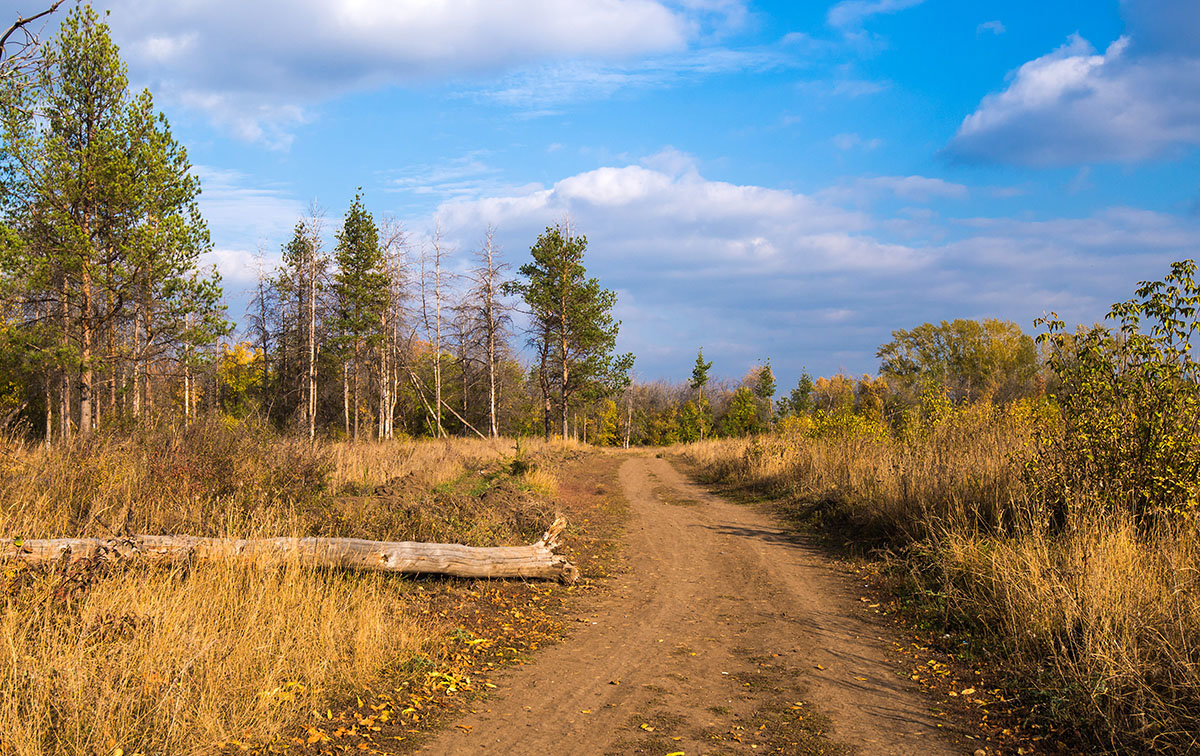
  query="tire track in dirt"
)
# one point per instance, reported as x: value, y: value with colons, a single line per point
x: 721, y: 614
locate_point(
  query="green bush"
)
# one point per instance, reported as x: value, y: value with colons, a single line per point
x: 1130, y: 401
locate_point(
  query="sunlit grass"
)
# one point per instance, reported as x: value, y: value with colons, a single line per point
x: 99, y: 657
x: 1104, y: 618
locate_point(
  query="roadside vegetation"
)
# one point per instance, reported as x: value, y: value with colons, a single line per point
x: 1039, y: 503
x: 101, y: 656
x: 1058, y: 534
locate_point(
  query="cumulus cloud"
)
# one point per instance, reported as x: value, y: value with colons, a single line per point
x: 664, y: 212
x: 1138, y: 100
x: 256, y: 66
x: 750, y: 272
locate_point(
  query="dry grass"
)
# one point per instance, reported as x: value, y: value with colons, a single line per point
x: 168, y: 661
x: 158, y: 662
x: 1103, y: 621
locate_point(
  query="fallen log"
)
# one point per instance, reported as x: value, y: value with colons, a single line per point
x: 537, y: 560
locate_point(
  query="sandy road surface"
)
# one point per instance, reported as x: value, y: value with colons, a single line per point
x: 717, y: 599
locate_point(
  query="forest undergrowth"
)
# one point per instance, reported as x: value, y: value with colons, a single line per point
x: 101, y: 658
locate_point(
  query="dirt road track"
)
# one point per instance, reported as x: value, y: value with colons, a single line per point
x: 720, y: 614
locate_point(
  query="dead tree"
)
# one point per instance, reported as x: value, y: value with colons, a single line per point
x: 537, y: 560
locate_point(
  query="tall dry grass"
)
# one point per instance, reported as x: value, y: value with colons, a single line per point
x: 95, y: 657
x: 1101, y: 621
x: 152, y: 661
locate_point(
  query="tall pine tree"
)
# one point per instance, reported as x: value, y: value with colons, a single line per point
x: 104, y: 204
x: 573, y: 329
x: 361, y: 290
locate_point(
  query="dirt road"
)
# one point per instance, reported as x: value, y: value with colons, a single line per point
x: 725, y: 636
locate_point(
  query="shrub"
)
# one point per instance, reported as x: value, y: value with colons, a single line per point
x: 1130, y: 400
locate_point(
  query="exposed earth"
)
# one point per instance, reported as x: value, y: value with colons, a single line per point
x: 726, y: 634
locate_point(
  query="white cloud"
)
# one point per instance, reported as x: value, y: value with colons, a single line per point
x: 852, y: 13
x: 753, y: 271
x: 846, y: 142
x: 908, y: 188
x: 669, y: 215
x: 995, y: 27
x: 256, y: 66
x: 1077, y: 106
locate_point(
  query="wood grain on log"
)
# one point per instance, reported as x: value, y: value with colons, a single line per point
x: 537, y: 560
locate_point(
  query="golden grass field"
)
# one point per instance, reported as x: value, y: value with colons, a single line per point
x: 96, y: 658
x: 1101, y: 624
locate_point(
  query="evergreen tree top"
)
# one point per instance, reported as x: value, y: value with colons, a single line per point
x: 700, y: 370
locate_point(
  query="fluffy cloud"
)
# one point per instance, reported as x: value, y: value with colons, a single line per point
x: 750, y: 272
x: 664, y: 215
x: 1139, y: 99
x: 254, y: 66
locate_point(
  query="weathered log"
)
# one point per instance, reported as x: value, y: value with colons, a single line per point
x: 537, y: 560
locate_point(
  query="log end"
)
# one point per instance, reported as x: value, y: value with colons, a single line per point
x: 553, y: 536
x: 570, y: 573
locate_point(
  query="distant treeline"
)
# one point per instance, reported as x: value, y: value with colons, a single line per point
x: 960, y: 361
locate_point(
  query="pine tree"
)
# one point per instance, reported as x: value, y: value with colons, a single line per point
x: 699, y: 381
x: 360, y: 288
x: 104, y: 203
x: 764, y: 390
x: 799, y: 401
x: 573, y: 328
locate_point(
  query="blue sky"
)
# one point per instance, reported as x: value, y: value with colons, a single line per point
x: 783, y: 180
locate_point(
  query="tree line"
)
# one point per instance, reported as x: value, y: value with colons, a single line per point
x: 111, y: 316
x: 952, y: 362
x: 385, y: 334
x: 362, y: 330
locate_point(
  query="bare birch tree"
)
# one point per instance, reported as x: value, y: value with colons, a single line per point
x: 435, y: 283
x: 492, y: 313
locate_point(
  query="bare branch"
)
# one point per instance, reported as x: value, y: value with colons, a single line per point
x: 22, y: 25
